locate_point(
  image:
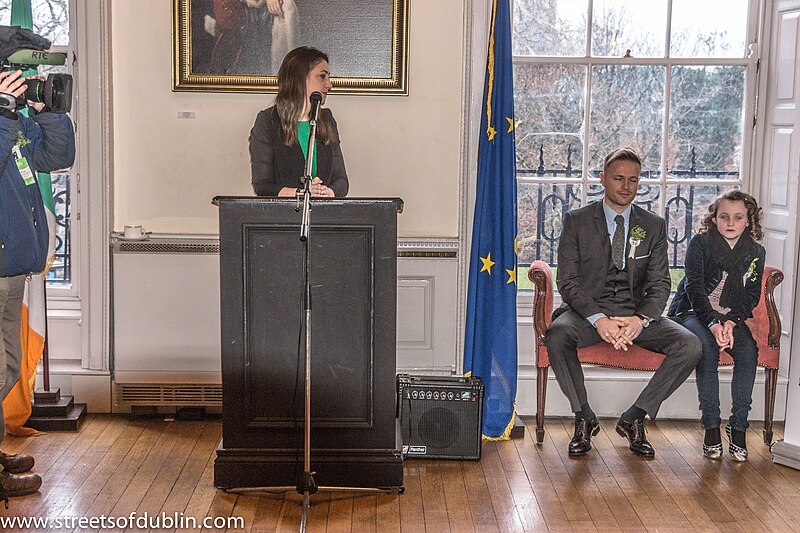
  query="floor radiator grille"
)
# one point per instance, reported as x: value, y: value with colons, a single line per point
x: 172, y: 395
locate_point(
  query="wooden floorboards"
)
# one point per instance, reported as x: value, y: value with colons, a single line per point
x: 119, y: 465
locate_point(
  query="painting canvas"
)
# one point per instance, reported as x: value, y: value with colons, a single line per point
x: 238, y: 45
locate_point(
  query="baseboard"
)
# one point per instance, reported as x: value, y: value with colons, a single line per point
x: 786, y: 454
x: 90, y: 387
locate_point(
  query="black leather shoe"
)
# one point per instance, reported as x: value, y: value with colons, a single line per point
x: 18, y: 484
x: 581, y: 442
x: 637, y: 440
x: 16, y: 464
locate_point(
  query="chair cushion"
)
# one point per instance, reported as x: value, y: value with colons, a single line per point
x: 636, y: 358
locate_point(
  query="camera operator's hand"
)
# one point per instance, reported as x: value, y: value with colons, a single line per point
x: 38, y: 106
x: 12, y: 82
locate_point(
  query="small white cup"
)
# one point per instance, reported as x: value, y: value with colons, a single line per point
x: 133, y: 232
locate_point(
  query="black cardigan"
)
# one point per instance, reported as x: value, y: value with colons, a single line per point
x: 275, y: 165
x: 703, y: 275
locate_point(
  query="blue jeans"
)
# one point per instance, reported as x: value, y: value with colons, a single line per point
x: 745, y: 359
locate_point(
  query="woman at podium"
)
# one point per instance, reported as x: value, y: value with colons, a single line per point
x: 279, y: 138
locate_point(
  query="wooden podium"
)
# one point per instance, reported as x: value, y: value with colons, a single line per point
x: 355, y: 439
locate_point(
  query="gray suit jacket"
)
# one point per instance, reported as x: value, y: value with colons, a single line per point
x: 584, y: 255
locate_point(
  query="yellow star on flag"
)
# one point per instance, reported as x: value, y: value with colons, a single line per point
x: 511, y: 124
x: 516, y: 245
x: 487, y: 263
x: 512, y: 276
x: 491, y: 132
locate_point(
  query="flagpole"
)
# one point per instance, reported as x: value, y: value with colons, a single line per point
x: 46, y: 347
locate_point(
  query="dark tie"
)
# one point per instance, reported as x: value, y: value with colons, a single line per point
x: 618, y: 242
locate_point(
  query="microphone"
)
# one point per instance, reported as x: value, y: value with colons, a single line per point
x: 316, y: 102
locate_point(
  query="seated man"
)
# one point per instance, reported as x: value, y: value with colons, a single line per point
x: 616, y: 293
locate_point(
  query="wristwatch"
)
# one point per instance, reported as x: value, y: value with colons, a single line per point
x: 646, y: 320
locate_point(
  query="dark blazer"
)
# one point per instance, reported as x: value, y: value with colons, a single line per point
x: 584, y: 255
x: 275, y: 165
x: 703, y: 275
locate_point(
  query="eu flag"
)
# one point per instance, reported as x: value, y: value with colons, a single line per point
x: 490, y: 344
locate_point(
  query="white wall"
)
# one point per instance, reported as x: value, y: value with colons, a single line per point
x: 167, y: 170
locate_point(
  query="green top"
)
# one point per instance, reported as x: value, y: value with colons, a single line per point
x: 303, y: 131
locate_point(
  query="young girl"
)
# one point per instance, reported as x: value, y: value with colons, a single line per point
x: 724, y: 265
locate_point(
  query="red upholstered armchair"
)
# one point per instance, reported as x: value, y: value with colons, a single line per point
x: 765, y: 326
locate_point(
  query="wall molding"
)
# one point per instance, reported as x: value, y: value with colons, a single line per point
x: 428, y: 247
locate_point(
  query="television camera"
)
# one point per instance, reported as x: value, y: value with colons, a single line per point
x: 21, y: 49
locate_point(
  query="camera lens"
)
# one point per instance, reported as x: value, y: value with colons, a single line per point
x: 35, y: 90
x: 55, y: 92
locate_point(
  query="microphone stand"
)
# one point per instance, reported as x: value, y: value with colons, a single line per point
x: 307, y: 486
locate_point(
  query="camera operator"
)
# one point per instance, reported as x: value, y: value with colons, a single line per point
x: 42, y: 141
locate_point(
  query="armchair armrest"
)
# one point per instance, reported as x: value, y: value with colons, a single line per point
x: 541, y: 276
x: 773, y: 278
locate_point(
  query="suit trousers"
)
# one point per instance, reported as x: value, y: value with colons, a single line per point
x: 571, y: 331
x: 11, y: 292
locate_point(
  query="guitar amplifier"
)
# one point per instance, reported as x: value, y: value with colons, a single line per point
x: 440, y: 417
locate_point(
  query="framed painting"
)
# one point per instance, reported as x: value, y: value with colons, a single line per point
x: 238, y: 45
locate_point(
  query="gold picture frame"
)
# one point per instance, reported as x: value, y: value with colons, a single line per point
x: 219, y: 45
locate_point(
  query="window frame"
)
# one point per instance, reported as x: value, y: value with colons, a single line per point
x: 750, y: 62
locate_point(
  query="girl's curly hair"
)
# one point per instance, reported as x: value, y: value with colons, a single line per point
x: 753, y: 213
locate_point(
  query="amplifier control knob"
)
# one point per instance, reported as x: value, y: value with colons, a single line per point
x: 428, y: 395
x: 449, y: 395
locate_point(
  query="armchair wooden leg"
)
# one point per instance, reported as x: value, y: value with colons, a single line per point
x: 770, y: 386
x: 541, y: 396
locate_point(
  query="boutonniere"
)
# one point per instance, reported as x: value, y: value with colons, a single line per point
x: 637, y: 236
x: 21, y: 140
x: 751, y: 272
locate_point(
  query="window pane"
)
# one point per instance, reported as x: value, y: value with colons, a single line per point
x: 550, y: 27
x: 540, y: 208
x: 705, y: 122
x: 60, y: 272
x: 635, y: 25
x: 548, y: 106
x: 686, y: 206
x: 627, y: 110
x: 711, y: 28
x: 50, y: 19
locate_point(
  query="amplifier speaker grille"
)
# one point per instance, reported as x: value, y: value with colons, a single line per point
x: 440, y: 417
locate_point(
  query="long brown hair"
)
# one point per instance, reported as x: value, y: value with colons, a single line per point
x: 753, y: 213
x: 291, y: 97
